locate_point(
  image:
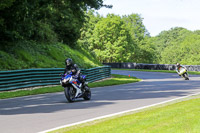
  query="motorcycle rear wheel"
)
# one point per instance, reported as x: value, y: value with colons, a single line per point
x: 70, y: 93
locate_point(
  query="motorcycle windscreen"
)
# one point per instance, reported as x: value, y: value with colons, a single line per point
x: 182, y: 70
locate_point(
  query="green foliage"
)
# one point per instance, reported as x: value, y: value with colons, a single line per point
x: 111, y: 39
x: 87, y: 30
x: 136, y: 26
x: 44, y: 20
x: 117, y: 39
x: 33, y: 32
x: 167, y: 38
x: 144, y: 51
x: 197, y: 32
x: 6, y: 4
x: 27, y: 24
x: 178, y: 45
x: 29, y: 54
x: 7, y: 60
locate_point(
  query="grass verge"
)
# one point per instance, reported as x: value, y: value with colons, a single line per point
x: 180, y: 117
x: 31, y: 54
x: 164, y: 71
x: 115, y: 80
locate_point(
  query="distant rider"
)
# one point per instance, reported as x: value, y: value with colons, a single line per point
x: 71, y: 67
x: 178, y: 66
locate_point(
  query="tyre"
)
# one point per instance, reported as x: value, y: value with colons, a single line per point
x: 70, y: 93
x: 87, y: 93
x: 186, y: 76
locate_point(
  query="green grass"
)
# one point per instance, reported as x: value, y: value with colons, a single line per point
x: 30, y: 54
x: 180, y: 117
x: 164, y: 71
x: 115, y: 80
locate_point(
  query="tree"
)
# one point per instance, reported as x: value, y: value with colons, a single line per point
x: 178, y: 45
x: 144, y: 50
x: 111, y: 41
x: 92, y: 18
x: 135, y: 25
x: 167, y: 43
x: 44, y: 20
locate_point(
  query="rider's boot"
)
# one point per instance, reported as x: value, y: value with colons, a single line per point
x: 85, y: 85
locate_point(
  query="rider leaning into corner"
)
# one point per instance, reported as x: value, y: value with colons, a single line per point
x: 178, y: 66
x: 71, y: 67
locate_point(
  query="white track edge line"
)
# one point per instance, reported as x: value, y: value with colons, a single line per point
x: 110, y: 115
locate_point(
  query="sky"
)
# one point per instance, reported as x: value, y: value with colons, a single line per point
x: 158, y: 15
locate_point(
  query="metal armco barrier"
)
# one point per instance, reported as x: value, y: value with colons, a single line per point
x: 17, y: 79
x: 151, y: 66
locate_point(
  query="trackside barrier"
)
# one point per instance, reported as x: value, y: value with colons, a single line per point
x: 17, y: 79
x: 151, y: 66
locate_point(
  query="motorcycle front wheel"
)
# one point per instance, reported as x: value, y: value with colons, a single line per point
x: 87, y: 93
x: 185, y: 75
x: 70, y: 93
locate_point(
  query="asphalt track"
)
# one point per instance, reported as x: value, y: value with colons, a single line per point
x: 37, y: 113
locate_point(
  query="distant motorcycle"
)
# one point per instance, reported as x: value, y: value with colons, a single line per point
x: 183, y: 73
x: 73, y: 88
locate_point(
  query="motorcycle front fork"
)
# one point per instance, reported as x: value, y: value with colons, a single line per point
x: 185, y: 75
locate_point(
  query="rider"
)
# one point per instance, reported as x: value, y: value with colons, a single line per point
x: 178, y: 66
x: 71, y: 67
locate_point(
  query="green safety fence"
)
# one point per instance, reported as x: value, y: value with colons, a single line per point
x: 17, y: 79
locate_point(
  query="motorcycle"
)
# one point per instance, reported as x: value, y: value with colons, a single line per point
x: 183, y: 73
x: 73, y: 88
